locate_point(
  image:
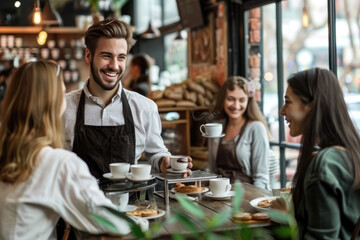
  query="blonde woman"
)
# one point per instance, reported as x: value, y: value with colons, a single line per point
x: 39, y: 181
x: 244, y: 152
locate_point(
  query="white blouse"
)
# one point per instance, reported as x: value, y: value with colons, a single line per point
x: 60, y: 186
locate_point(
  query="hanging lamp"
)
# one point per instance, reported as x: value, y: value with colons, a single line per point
x: 49, y: 15
x: 150, y: 32
x: 36, y: 12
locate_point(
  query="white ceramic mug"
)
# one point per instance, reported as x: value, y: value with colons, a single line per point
x: 141, y: 171
x: 119, y: 170
x: 220, y: 186
x: 179, y: 162
x: 211, y: 129
x: 119, y: 199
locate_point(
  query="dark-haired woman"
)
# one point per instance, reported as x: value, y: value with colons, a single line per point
x: 326, y: 185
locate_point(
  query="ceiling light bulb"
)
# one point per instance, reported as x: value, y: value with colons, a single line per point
x: 37, y: 16
x: 305, y: 18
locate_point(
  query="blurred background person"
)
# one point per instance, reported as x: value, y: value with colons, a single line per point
x: 139, y: 74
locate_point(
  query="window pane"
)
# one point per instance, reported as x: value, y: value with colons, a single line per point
x: 270, y: 70
x: 171, y: 13
x: 305, y: 47
x: 146, y: 10
x: 348, y: 46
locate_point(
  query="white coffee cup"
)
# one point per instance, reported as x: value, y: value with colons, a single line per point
x: 119, y: 169
x: 220, y: 186
x: 141, y: 171
x: 119, y: 199
x: 179, y: 162
x: 211, y: 129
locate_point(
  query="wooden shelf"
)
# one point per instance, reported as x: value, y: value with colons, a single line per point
x: 172, y: 123
x: 37, y: 29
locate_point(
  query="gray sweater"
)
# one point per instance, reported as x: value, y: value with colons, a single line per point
x: 252, y: 153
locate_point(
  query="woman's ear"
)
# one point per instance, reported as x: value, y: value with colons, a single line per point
x: 309, y: 107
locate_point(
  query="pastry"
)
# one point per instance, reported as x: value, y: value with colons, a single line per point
x: 242, y: 216
x: 149, y: 212
x: 189, y: 189
x: 265, y: 203
x: 260, y: 216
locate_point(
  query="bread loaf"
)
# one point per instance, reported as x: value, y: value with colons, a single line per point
x: 210, y: 86
x: 208, y: 94
x: 196, y: 87
x: 200, y: 99
x: 173, y: 95
x: 185, y: 103
x: 165, y: 103
x: 157, y: 94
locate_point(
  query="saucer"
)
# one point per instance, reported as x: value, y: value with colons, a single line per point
x: 207, y: 136
x: 128, y: 208
x: 228, y: 195
x: 170, y: 170
x: 109, y: 176
x: 131, y: 178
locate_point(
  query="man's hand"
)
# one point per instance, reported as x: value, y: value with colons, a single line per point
x: 165, y: 164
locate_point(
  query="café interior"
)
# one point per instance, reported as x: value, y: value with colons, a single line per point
x: 193, y: 47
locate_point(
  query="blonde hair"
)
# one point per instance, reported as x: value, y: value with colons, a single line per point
x: 252, y: 112
x: 30, y: 119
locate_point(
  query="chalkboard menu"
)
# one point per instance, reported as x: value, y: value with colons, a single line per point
x: 190, y: 12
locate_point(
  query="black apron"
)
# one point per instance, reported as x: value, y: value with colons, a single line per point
x: 226, y: 160
x: 99, y: 146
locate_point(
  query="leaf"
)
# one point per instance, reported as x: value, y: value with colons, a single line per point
x: 280, y: 216
x: 183, y: 219
x: 219, y: 219
x: 282, y: 232
x: 104, y: 222
x: 177, y: 236
x: 237, y: 199
x: 136, y: 230
x: 190, y: 207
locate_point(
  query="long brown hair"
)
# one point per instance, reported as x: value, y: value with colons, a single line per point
x: 252, y: 112
x: 30, y: 118
x: 109, y: 28
x: 328, y: 124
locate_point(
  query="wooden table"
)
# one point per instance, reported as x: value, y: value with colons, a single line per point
x: 210, y: 207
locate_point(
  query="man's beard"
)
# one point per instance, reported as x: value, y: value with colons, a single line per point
x: 98, y: 81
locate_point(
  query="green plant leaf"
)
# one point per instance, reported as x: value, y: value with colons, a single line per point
x: 177, y: 236
x: 104, y: 222
x: 282, y: 232
x: 136, y: 230
x: 190, y: 207
x: 219, y: 219
x: 237, y: 199
x: 279, y: 216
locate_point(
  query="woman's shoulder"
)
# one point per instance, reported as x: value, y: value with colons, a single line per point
x: 330, y: 163
x: 59, y: 156
x: 256, y: 126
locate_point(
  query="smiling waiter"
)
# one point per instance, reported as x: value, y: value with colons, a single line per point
x: 105, y: 123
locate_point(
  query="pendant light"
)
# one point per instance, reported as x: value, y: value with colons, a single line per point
x: 150, y: 32
x: 36, y: 12
x: 49, y: 15
x: 305, y: 17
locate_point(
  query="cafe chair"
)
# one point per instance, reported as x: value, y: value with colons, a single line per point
x: 66, y: 231
x: 356, y: 230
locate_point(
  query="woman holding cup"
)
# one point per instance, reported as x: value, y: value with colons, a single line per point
x: 39, y: 181
x: 243, y: 152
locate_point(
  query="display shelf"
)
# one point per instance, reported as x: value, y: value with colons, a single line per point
x: 37, y: 29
